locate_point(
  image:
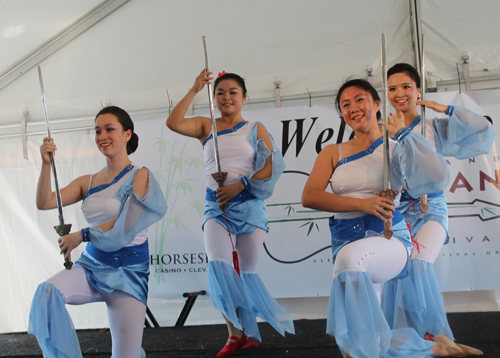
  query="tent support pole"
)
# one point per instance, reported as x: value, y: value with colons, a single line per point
x: 24, y: 138
x: 465, y: 65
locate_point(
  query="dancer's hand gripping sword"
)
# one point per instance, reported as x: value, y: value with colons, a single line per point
x: 423, y: 199
x: 219, y: 176
x: 387, y: 192
x: 61, y: 229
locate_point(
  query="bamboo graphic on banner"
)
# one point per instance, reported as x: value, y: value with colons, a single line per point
x: 176, y: 179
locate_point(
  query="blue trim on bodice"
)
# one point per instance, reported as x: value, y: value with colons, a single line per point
x: 104, y: 186
x: 363, y: 153
x: 226, y: 131
x: 413, y: 124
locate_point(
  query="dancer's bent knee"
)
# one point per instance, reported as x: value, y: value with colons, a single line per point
x: 380, y: 258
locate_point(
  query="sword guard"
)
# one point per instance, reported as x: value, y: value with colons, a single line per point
x: 220, y: 178
x: 64, y: 229
x: 391, y: 194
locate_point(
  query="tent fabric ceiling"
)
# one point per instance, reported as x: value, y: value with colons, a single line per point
x: 28, y: 24
x: 147, y: 46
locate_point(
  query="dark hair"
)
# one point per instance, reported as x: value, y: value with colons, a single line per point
x: 405, y: 68
x: 232, y: 76
x: 126, y: 122
x: 359, y: 83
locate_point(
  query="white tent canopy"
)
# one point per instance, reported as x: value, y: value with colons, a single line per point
x: 137, y: 49
x: 143, y: 47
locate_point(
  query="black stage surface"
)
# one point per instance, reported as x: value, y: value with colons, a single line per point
x: 480, y: 330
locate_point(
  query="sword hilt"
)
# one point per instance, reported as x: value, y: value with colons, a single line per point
x: 391, y: 194
x: 64, y: 229
x: 220, y: 177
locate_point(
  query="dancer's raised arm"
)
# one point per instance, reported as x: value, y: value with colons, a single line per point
x: 196, y: 127
x: 45, y: 197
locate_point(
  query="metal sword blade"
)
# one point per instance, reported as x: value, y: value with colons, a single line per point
x: 385, y: 108
x: 212, y: 112
x: 62, y: 229
x: 54, y: 171
x: 422, y: 87
x: 423, y: 122
x: 387, y: 192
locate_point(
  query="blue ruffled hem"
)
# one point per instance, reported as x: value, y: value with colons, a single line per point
x: 359, y: 326
x: 265, y: 306
x: 51, y: 324
x: 416, y: 301
x: 228, y: 295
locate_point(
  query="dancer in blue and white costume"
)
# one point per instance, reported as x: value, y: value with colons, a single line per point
x: 254, y: 164
x: 119, y: 202
x: 361, y: 255
x: 416, y: 300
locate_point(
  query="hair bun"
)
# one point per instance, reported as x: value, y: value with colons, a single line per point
x: 133, y: 143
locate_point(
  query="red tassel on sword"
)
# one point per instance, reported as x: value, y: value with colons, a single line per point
x: 236, y: 261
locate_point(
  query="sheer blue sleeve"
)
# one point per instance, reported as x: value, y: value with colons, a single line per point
x: 417, y: 166
x: 464, y: 134
x: 263, y: 189
x: 136, y: 214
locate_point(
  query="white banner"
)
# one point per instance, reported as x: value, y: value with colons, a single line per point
x: 296, y: 258
x: 473, y: 207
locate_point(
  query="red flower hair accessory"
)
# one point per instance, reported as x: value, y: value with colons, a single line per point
x: 222, y: 74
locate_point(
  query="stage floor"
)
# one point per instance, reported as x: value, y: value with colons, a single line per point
x: 480, y: 330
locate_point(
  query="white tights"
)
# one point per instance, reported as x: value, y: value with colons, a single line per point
x: 430, y: 240
x: 126, y: 314
x: 380, y: 258
x: 218, y: 246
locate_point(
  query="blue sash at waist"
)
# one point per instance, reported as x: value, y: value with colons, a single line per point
x: 241, y: 197
x: 354, y: 229
x: 126, y: 256
x: 405, y: 196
